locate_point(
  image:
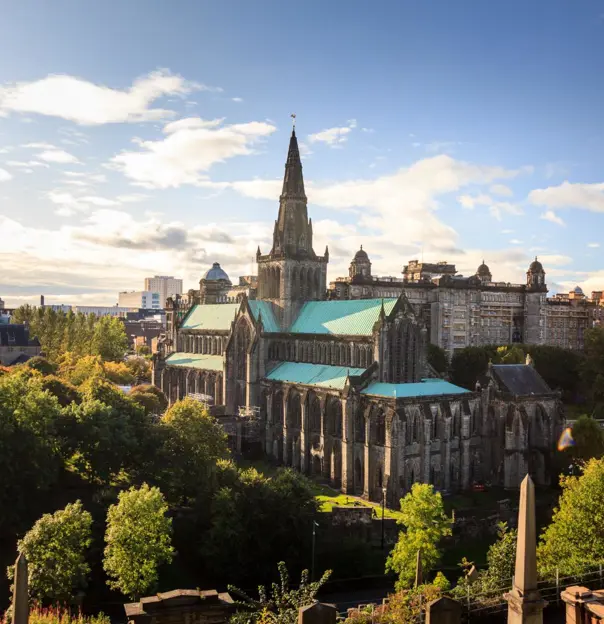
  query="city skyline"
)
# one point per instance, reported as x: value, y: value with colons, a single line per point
x: 162, y: 151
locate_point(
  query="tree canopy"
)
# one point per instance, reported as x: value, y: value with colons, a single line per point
x: 138, y: 540
x: 55, y: 548
x: 574, y: 539
x: 425, y: 522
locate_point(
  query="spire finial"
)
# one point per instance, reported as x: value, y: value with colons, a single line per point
x: 293, y: 116
x: 361, y: 247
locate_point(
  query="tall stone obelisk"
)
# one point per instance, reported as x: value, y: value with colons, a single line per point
x: 525, y: 605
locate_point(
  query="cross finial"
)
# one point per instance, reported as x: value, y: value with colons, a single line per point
x: 293, y: 116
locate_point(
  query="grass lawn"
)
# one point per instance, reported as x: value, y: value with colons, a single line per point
x: 325, y: 495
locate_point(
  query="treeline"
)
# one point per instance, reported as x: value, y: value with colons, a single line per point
x: 579, y: 376
x: 69, y: 434
x: 81, y: 334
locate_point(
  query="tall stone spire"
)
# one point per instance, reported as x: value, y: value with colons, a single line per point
x: 525, y: 605
x: 293, y: 182
x: 293, y: 231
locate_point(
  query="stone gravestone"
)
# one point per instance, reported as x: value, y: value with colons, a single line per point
x: 317, y: 613
x: 443, y: 611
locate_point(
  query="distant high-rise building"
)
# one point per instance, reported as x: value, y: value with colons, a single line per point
x: 1, y: 304
x: 165, y: 285
x: 144, y: 299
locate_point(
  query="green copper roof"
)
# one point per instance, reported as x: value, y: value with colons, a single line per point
x: 350, y: 318
x: 201, y: 361
x: 217, y: 316
x: 313, y: 374
x: 425, y: 388
x: 265, y: 310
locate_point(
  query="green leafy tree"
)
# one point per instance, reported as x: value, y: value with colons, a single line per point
x: 573, y: 540
x: 138, y: 540
x: 236, y: 543
x: 65, y: 392
x: 423, y: 517
x: 109, y: 339
x: 593, y: 366
x: 79, y: 369
x: 143, y: 350
x: 281, y: 604
x: 511, y: 354
x: 589, y: 439
x: 467, y: 365
x: 437, y: 358
x: 560, y: 368
x: 119, y: 373
x: 195, y: 441
x: 55, y: 548
x: 42, y: 365
x: 150, y: 397
x: 140, y: 368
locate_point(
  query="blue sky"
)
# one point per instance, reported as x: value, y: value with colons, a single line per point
x: 148, y: 137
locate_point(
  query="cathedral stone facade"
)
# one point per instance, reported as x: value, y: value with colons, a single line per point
x: 341, y: 389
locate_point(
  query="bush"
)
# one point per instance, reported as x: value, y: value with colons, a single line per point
x: 56, y: 615
x: 42, y: 365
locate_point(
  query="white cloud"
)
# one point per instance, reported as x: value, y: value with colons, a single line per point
x: 188, y: 151
x: 550, y: 215
x: 132, y: 198
x: 70, y: 204
x: 507, y: 231
x: 41, y: 145
x: 469, y: 202
x: 501, y: 189
x: 190, y: 123
x: 92, y: 177
x: 5, y: 175
x: 412, y: 192
x: 570, y: 195
x: 58, y: 156
x: 333, y: 137
x: 593, y: 245
x: 237, y: 99
x: 86, y: 103
x: 515, y: 241
x: 28, y: 164
x: 496, y: 208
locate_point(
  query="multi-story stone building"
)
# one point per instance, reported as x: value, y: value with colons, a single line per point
x: 165, y: 285
x: 340, y: 387
x: 472, y: 311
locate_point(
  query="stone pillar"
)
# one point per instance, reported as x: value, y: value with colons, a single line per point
x: 304, y: 448
x: 389, y: 460
x: 347, y: 446
x: 368, y: 465
x: 286, y: 458
x: 525, y: 605
x: 270, y: 425
x: 465, y: 464
x: 446, y: 442
x: 20, y: 595
x: 217, y: 388
x: 443, y: 611
x: 575, y: 598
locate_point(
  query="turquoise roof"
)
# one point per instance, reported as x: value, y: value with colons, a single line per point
x: 201, y: 361
x: 350, y: 318
x: 425, y: 388
x: 313, y: 374
x: 216, y: 316
x: 265, y: 309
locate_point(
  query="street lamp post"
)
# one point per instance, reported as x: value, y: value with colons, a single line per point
x: 312, y: 566
x: 383, y: 506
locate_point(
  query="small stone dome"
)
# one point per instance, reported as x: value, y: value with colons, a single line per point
x: 483, y: 269
x: 361, y: 254
x: 536, y: 266
x: 578, y: 290
x: 215, y: 273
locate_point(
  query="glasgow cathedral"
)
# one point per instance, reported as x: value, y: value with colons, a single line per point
x: 341, y: 389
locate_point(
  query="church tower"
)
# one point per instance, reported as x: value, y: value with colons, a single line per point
x: 292, y: 273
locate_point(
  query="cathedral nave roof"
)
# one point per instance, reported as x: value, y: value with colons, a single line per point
x: 345, y: 318
x: 202, y: 361
x: 320, y: 375
x: 425, y: 388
